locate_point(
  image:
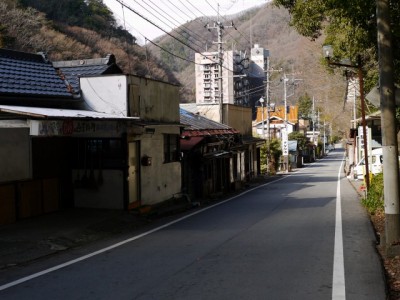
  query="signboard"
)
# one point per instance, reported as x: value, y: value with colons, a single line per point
x: 76, y: 128
x: 285, y: 143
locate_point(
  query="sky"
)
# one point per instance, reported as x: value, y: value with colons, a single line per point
x: 169, y: 14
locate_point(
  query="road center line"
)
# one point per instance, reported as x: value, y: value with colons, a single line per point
x: 338, y: 280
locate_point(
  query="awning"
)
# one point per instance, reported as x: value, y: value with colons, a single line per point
x: 47, y: 122
x: 14, y: 124
x: 45, y: 113
x: 249, y: 140
x: 188, y: 143
x: 218, y: 154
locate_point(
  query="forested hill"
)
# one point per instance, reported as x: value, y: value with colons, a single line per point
x: 74, y: 29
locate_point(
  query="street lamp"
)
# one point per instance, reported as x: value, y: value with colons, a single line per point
x: 328, y: 53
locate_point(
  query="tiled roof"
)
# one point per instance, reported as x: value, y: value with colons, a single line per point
x: 196, y: 125
x: 74, y: 69
x: 31, y: 75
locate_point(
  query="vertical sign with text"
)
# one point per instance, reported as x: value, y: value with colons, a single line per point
x: 285, y: 143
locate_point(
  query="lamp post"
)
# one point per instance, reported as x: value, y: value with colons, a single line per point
x: 328, y: 53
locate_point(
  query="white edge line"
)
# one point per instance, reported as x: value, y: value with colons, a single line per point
x: 338, y: 278
x: 136, y: 237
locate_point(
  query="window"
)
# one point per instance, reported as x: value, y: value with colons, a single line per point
x: 171, y: 148
x: 98, y: 154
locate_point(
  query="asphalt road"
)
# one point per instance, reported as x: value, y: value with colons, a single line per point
x: 282, y: 240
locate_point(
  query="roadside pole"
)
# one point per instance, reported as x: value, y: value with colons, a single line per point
x: 388, y: 123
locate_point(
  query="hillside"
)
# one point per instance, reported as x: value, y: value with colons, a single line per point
x: 267, y: 26
x: 74, y: 29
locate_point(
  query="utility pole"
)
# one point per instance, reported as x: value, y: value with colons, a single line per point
x: 268, y: 121
x: 364, y: 123
x: 267, y: 94
x: 328, y: 53
x: 268, y: 104
x: 285, y: 80
x: 219, y: 26
x: 324, y: 138
x: 388, y: 123
x: 285, y: 136
x: 313, y: 120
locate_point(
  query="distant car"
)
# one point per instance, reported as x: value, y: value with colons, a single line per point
x: 375, y: 164
x: 329, y: 147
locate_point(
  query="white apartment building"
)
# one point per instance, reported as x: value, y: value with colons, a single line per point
x: 208, y: 80
x: 242, y: 80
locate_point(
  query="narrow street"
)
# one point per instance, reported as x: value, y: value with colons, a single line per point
x: 282, y: 240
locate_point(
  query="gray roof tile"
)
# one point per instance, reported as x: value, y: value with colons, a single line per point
x: 196, y: 122
x: 25, y: 74
x: 74, y: 69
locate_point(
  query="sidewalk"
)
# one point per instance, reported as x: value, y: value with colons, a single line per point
x: 34, y: 238
x: 358, y: 185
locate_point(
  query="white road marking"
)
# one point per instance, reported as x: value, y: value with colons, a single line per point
x: 338, y: 280
x: 74, y: 261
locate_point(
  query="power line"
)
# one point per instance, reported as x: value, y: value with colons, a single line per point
x: 207, y: 17
x: 163, y: 21
x: 169, y: 34
x: 169, y: 52
x: 183, y: 4
x: 152, y: 23
x: 177, y: 24
x: 158, y: 46
x: 237, y: 42
x: 227, y: 20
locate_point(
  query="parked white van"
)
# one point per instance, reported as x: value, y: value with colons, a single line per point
x: 375, y: 164
x: 376, y: 161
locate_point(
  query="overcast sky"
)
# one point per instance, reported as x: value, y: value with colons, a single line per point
x: 169, y: 14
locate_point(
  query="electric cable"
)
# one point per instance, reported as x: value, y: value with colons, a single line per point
x: 171, y: 28
x: 227, y: 20
x: 190, y: 18
x: 176, y: 24
x: 169, y: 34
x: 177, y: 56
x: 194, y: 8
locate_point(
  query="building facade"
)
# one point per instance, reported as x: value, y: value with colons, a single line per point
x: 98, y: 141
